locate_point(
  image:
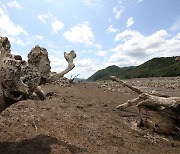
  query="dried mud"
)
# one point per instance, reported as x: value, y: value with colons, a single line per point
x: 83, y: 119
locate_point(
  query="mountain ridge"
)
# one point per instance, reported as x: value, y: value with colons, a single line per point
x: 156, y: 67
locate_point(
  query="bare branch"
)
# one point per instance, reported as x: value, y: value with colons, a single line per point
x: 69, y: 58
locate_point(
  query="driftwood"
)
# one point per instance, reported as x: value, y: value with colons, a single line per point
x: 12, y: 89
x: 38, y: 59
x: 20, y: 80
x: 138, y: 91
x: 164, y: 106
x: 69, y: 58
x: 114, y: 78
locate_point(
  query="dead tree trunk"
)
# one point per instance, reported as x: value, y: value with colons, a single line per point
x: 165, y: 106
x: 114, y: 78
x: 13, y: 86
x: 138, y: 91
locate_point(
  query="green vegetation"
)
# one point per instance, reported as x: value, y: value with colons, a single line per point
x: 156, y: 67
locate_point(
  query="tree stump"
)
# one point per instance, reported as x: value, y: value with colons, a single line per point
x: 164, y: 110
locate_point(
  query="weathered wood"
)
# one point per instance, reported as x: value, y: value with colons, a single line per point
x: 40, y: 93
x: 129, y: 103
x: 20, y: 80
x: 114, y: 78
x: 15, y: 82
x: 69, y: 58
x: 138, y: 91
x: 166, y: 108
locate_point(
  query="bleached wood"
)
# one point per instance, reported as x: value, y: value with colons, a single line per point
x: 69, y: 58
x: 166, y: 107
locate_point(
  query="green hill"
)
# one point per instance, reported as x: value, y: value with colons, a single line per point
x: 156, y: 67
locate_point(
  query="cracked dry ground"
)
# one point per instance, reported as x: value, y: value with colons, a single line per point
x: 79, y: 119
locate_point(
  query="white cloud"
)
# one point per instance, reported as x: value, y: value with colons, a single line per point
x: 94, y: 4
x: 85, y: 51
x: 14, y: 4
x: 90, y: 3
x: 118, y: 12
x: 8, y: 27
x: 128, y: 35
x: 85, y: 63
x: 98, y: 46
x: 44, y: 16
x: 39, y: 37
x: 58, y: 64
x: 25, y: 41
x: 177, y: 36
x: 85, y: 67
x: 176, y: 25
x: 111, y: 29
x: 135, y: 48
x: 81, y: 33
x: 130, y: 22
x: 57, y: 25
x: 18, y: 41
x: 101, y: 53
x: 139, y: 1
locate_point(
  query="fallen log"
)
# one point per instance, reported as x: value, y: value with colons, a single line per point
x: 138, y: 91
x: 164, y: 106
x: 114, y: 78
x: 167, y: 106
x: 129, y: 103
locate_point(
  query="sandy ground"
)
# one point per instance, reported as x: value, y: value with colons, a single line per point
x: 82, y: 118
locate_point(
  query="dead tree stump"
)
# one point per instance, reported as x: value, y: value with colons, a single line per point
x: 166, y: 108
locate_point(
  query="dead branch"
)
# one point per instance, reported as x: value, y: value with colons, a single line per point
x: 69, y: 58
x: 72, y: 79
x: 138, y: 91
x: 129, y: 103
x: 168, y: 108
x: 114, y: 78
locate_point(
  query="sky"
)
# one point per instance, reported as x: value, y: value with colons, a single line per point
x: 101, y: 32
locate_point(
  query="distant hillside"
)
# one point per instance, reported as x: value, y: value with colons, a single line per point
x: 156, y: 67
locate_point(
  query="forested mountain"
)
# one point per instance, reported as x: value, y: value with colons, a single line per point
x: 156, y: 67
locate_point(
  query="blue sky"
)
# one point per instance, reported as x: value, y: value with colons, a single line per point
x: 101, y: 32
